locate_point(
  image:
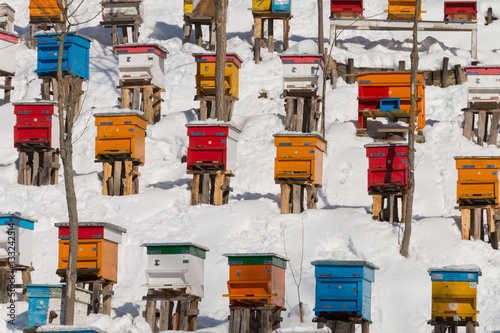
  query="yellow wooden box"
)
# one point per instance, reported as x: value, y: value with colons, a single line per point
x: 44, y: 11
x: 205, y: 74
x: 261, y: 6
x: 299, y: 157
x: 403, y: 10
x: 188, y: 6
x: 93, y: 253
x: 477, y: 179
x: 120, y: 134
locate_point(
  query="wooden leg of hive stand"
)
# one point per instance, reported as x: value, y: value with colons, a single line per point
x: 151, y: 314
x: 286, y: 31
x: 466, y: 223
x: 164, y: 315
x: 195, y: 189
x: 21, y: 165
x: 7, y: 93
x: 203, y: 110
x: 481, y: 127
x: 4, y: 284
x: 147, y: 95
x: 125, y: 35
x: 219, y: 182
x: 107, y: 293
x: 205, y: 188
x: 290, y: 111
x: 135, y: 33
x: 296, y: 196
x: 312, y: 196
x: 377, y: 206
x: 46, y: 89
x: 26, y: 276
x: 125, y: 98
x: 265, y: 321
x: 114, y: 35
x: 212, y: 36
x: 117, y: 176
x: 193, y: 316
x: 469, y: 327
x: 270, y: 35
x: 198, y: 36
x: 365, y: 327
x: 127, y: 184
x: 95, y: 304
x: 468, y: 124
x: 107, y: 169
x: 478, y: 223
x: 285, y: 198
x: 54, y: 172
x: 226, y: 190
x: 28, y: 169
x: 36, y: 168
x: 495, y: 118
x: 186, y: 33
x: 300, y: 115
x: 135, y: 179
x: 136, y: 100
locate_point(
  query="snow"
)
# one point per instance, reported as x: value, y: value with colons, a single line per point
x: 341, y: 228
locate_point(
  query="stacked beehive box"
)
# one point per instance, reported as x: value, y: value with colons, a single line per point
x: 403, y: 10
x: 123, y: 14
x: 460, y: 11
x: 347, y: 8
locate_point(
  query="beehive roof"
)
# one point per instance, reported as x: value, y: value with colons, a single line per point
x: 331, y: 262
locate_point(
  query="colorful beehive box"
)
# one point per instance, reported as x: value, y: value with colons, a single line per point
x: 75, y: 55
x: 45, y: 11
x: 477, y: 179
x: 303, y: 72
x: 272, y: 6
x: 299, y: 156
x: 205, y: 74
x: 387, y: 167
x: 376, y: 88
x: 454, y: 293
x: 16, y: 235
x: 212, y: 146
x: 188, y: 7
x: 122, y: 11
x: 69, y: 329
x: 141, y: 62
x: 120, y: 135
x: 46, y: 304
x: 403, y: 10
x: 7, y: 16
x: 8, y: 48
x: 347, y: 8
x: 97, y: 248
x: 257, y: 278
x: 178, y: 266
x: 483, y: 87
x: 460, y: 10
x: 344, y: 288
x: 35, y: 124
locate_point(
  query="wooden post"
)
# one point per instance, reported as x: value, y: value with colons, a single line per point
x: 8, y: 89
x: 478, y: 223
x: 377, y: 206
x: 127, y: 184
x: 402, y: 65
x: 466, y: 220
x: 213, y: 32
x: 286, y: 31
x: 444, y: 73
x: 198, y: 36
x: 186, y: 28
x: 151, y: 314
x: 26, y: 278
x: 135, y: 33
x: 290, y: 110
x: 205, y: 188
x: 495, y: 118
x: 182, y: 311
x: 147, y: 95
x: 125, y: 98
x: 285, y: 198
x: 164, y: 315
x: 193, y: 316
x: 321, y: 35
x: 350, y: 70
x: 107, y: 174
x: 296, y: 199
x: 492, y: 232
x: 203, y: 110
x: 365, y: 327
x: 156, y: 105
x: 468, y: 124
x: 270, y: 35
x: 481, y: 127
x: 125, y: 34
x: 219, y: 182
x: 300, y: 114
x: 35, y: 168
x: 257, y: 33
x: 458, y: 74
x: 136, y: 99
x: 96, y: 297
x: 117, y: 176
x: 195, y: 189
x: 107, y: 293
x: 312, y: 196
x: 5, y: 274
x: 226, y: 189
x: 21, y: 165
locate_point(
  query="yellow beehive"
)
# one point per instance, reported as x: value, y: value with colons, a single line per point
x: 403, y: 10
x: 205, y: 74
x: 261, y: 6
x: 121, y: 133
x: 299, y: 157
x: 188, y: 6
x: 477, y: 179
x: 44, y: 11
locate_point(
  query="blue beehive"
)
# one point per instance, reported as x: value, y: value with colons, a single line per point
x: 343, y: 288
x: 281, y: 6
x: 69, y: 329
x: 390, y: 104
x: 75, y: 56
x: 16, y: 235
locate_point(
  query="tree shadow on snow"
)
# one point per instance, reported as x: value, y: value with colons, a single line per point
x: 163, y: 31
x: 169, y: 185
x: 207, y: 322
x: 126, y: 308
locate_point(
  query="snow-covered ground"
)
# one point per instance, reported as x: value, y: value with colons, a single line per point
x: 341, y: 227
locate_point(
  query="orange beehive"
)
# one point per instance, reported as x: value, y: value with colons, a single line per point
x: 256, y: 279
x: 45, y: 11
x: 120, y: 135
x: 403, y: 10
x: 97, y: 249
x: 477, y: 179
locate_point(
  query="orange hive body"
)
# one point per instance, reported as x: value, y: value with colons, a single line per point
x: 44, y: 11
x: 477, y: 179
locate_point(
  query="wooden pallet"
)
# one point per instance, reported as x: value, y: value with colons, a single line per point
x: 210, y: 186
x: 72, y: 87
x: 7, y: 285
x: 484, y: 117
x: 292, y: 196
x: 124, y: 26
x: 472, y: 218
x: 258, y: 31
x: 343, y: 324
x: 145, y: 97
x: 185, y: 317
x: 120, y: 177
x: 198, y: 21
x: 452, y: 326
x: 38, y: 167
x: 207, y: 107
x: 244, y: 319
x: 385, y: 206
x: 302, y: 112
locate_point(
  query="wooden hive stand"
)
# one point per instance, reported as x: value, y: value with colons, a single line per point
x: 302, y: 112
x: 210, y: 186
x: 198, y: 21
x: 207, y: 107
x: 6, y: 273
x: 185, y: 316
x: 484, y: 117
x: 385, y: 206
x: 258, y: 31
x: 120, y: 177
x: 42, y: 26
x: 473, y: 226
x: 452, y: 327
x: 344, y: 325
x: 124, y: 26
x: 292, y: 195
x: 263, y: 319
x: 7, y: 86
x: 37, y: 165
x: 146, y: 98
x: 72, y: 87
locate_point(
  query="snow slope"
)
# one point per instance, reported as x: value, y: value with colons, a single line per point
x: 341, y: 227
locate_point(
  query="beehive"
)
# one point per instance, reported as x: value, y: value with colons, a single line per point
x: 477, y: 179
x: 178, y: 266
x: 204, y: 8
x: 35, y: 124
x: 138, y: 63
x: 205, y: 74
x: 97, y: 248
x: 69, y: 329
x: 454, y: 293
x: 188, y: 7
x: 212, y: 146
x: 483, y: 87
x: 75, y: 57
x: 344, y: 288
x: 272, y: 6
x: 120, y: 135
x: 45, y: 299
x: 257, y: 278
x: 7, y: 16
x: 303, y: 72
x: 16, y: 235
x: 373, y: 88
x: 387, y: 167
x: 123, y: 11
x: 45, y: 11
x: 8, y: 48
x: 403, y: 10
x: 460, y: 10
x: 299, y: 156
x: 347, y: 8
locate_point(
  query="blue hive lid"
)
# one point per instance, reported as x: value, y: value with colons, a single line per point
x: 65, y: 328
x: 328, y: 262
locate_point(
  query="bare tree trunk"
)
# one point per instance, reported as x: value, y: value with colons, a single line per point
x: 405, y: 245
x: 220, y: 62
x: 321, y: 39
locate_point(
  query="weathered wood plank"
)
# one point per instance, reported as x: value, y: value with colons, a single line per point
x: 466, y: 223
x: 300, y: 115
x: 377, y: 207
x: 468, y: 124
x: 125, y: 92
x: 219, y: 182
x: 270, y: 35
x: 127, y: 184
x: 107, y: 292
x: 285, y: 198
x: 147, y: 95
x: 151, y: 314
x: 478, y: 223
x: 495, y: 118
x: 481, y: 127
x: 205, y: 188
x: 26, y: 278
x: 312, y: 196
x: 117, y: 176
x: 107, y: 173
x: 195, y: 189
x: 296, y: 199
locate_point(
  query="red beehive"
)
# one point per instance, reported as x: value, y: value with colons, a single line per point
x: 460, y: 10
x: 347, y: 8
x: 34, y: 125
x: 212, y: 146
x: 387, y: 167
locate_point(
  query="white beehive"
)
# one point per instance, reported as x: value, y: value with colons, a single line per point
x: 176, y: 266
x: 16, y: 235
x: 7, y: 15
x: 141, y: 62
x: 122, y: 11
x: 483, y: 85
x: 303, y: 72
x: 8, y: 48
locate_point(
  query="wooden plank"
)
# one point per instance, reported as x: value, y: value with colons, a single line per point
x: 195, y: 189
x: 312, y: 196
x: 350, y: 70
x: 95, y: 302
x: 478, y: 223
x: 219, y: 182
x: 237, y: 320
x: 313, y: 115
x: 401, y: 65
x: 125, y: 98
x: 27, y: 170
x: 365, y: 327
x: 26, y: 278
x: 205, y: 188
x: 286, y: 33
x: 36, y: 168
x: 285, y: 198
x: 5, y: 274
x: 182, y: 307
x: 136, y: 100
x: 300, y: 115
x: 481, y: 127
x: 151, y: 314
x: 444, y: 72
x: 47, y: 167
x: 186, y: 29
x: 245, y: 321
x: 157, y: 106
x: 226, y: 190
x: 7, y: 93
x: 117, y: 177
x: 458, y: 74
x: 265, y: 321
x: 193, y: 319
x: 107, y: 169
x: 466, y: 223
x: 198, y: 35
x: 54, y: 172
x: 377, y: 207
x: 107, y: 292
x: 164, y: 315
x: 492, y: 232
x: 391, y: 201
x: 296, y: 196
x: 21, y: 165
x: 135, y: 179
x: 495, y: 118
x: 203, y: 110
x: 135, y: 33
x: 468, y: 124
x: 127, y: 185
x: 213, y: 38
x: 147, y: 94
x: 290, y: 111
x: 270, y: 35
x: 125, y: 35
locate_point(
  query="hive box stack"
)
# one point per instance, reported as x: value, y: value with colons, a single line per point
x: 347, y: 8
x: 403, y: 10
x: 387, y: 167
x: 7, y: 16
x: 483, y: 87
x: 460, y: 11
x: 35, y: 124
x: 272, y: 6
x: 125, y: 11
x: 20, y: 230
x: 205, y: 74
x: 44, y: 11
x: 303, y: 73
